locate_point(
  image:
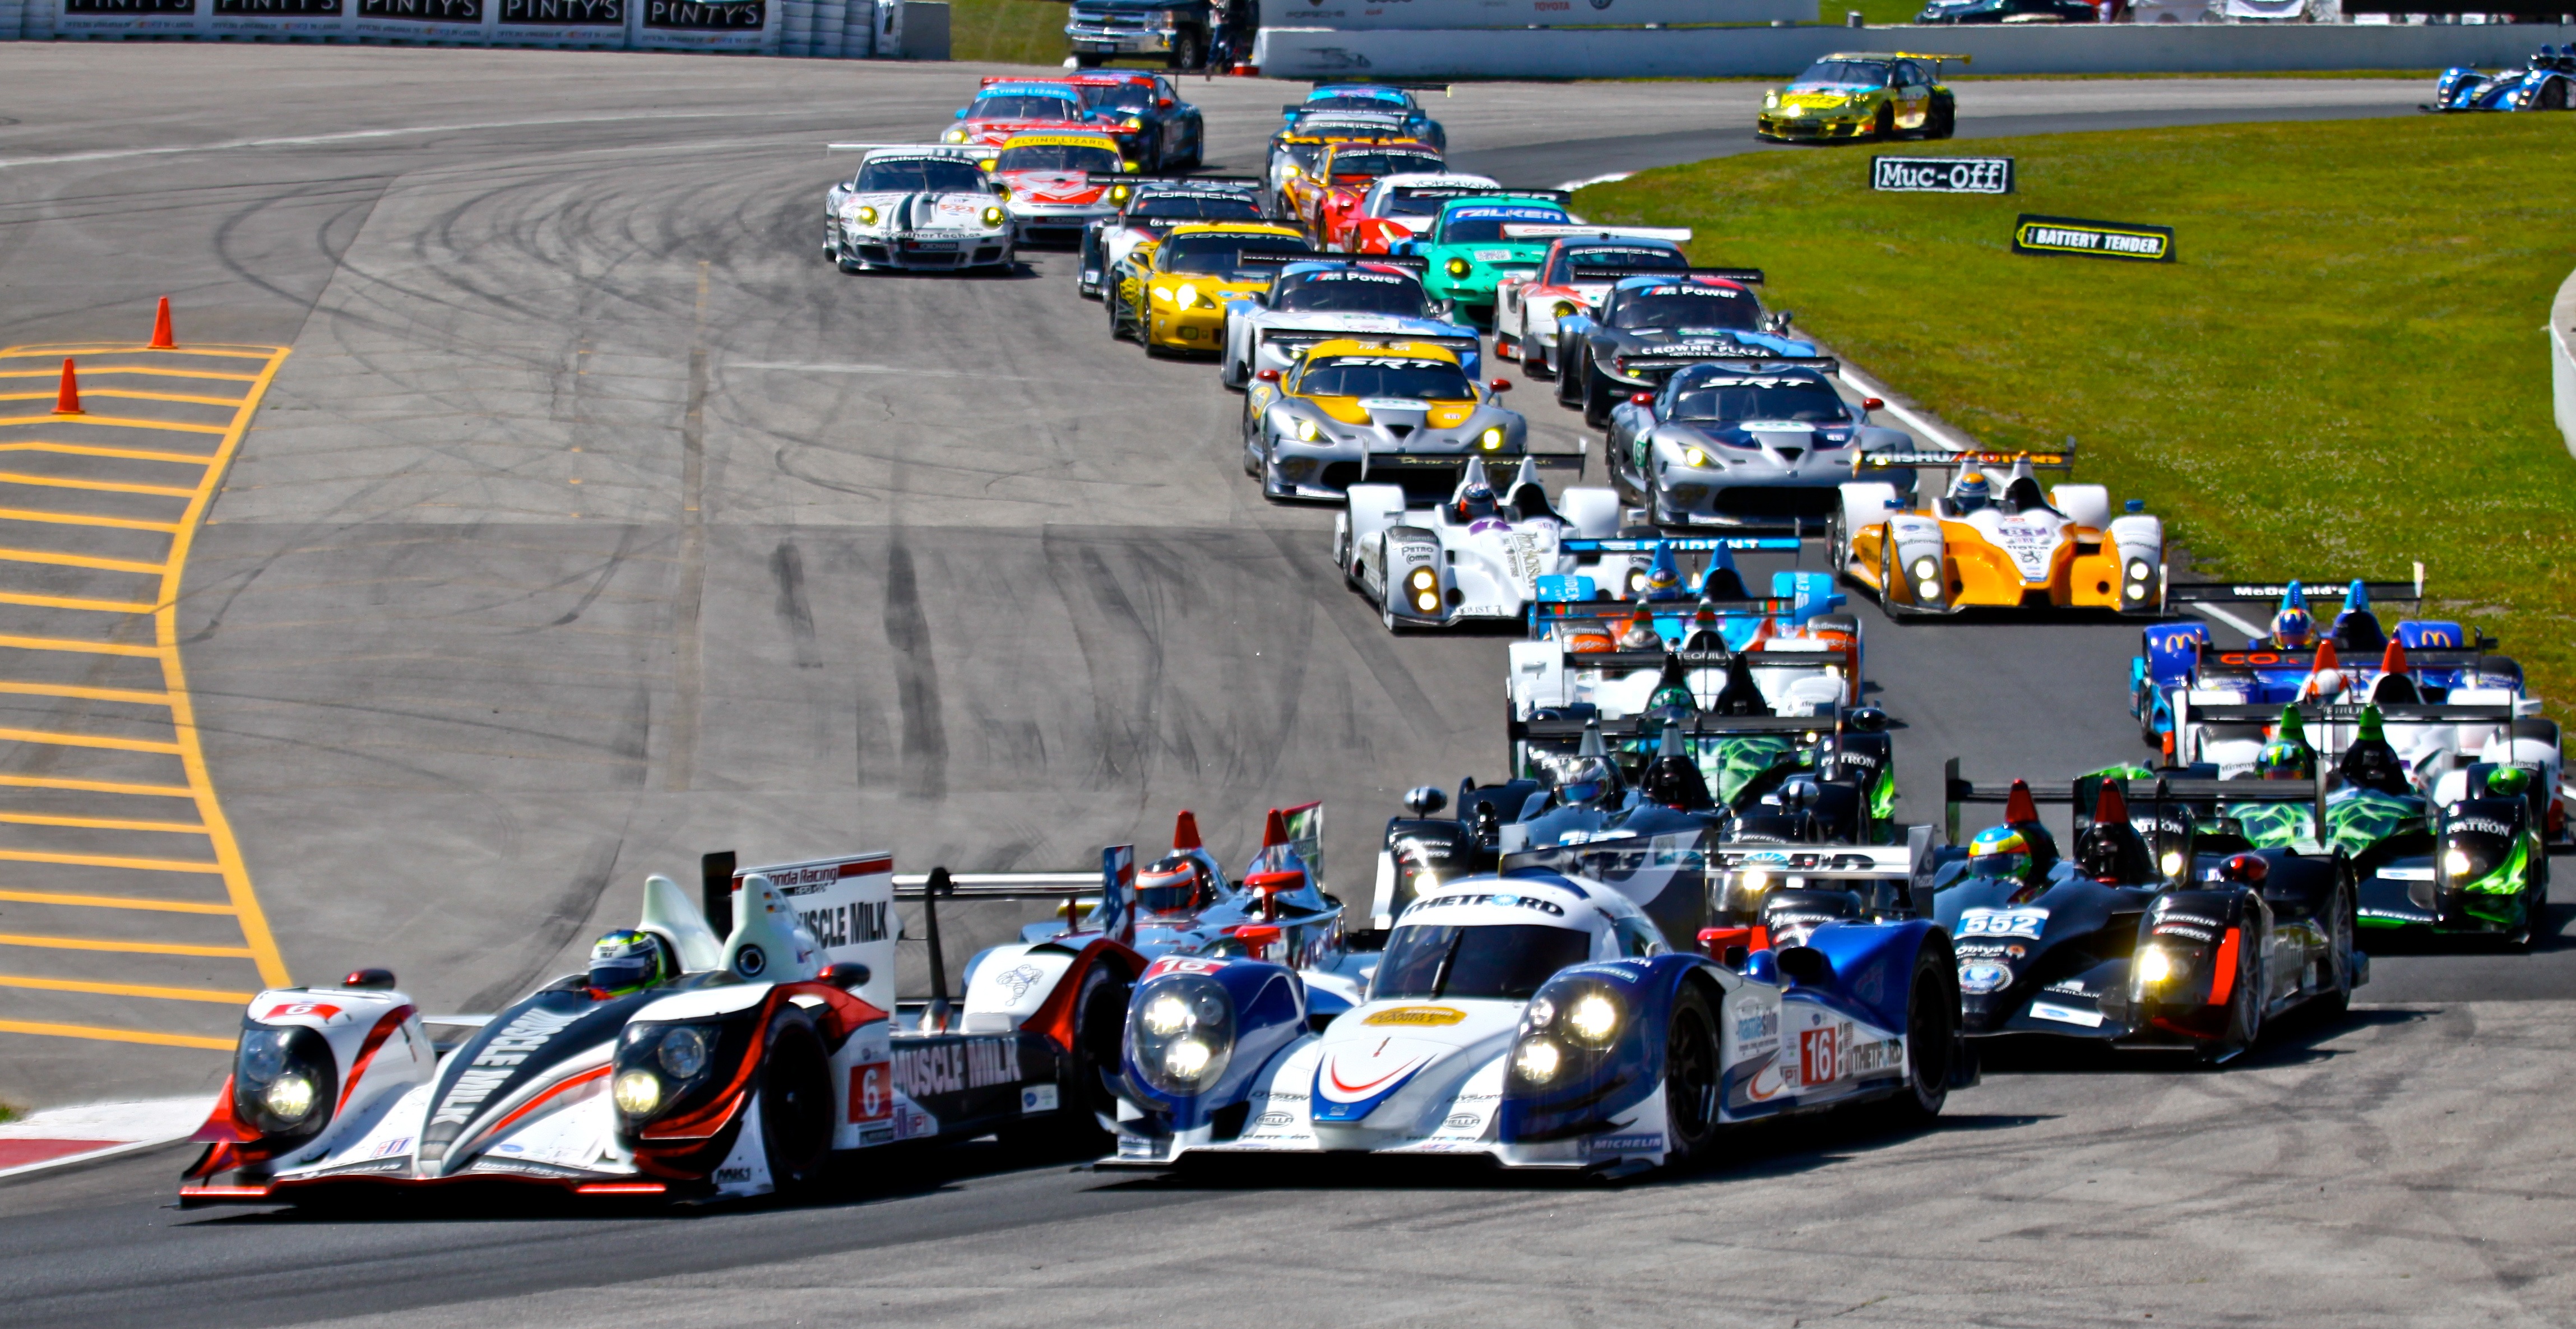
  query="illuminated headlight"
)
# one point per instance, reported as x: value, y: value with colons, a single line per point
x: 1694, y: 457
x: 1423, y: 580
x: 1927, y: 590
x: 2457, y: 863
x: 2171, y: 863
x: 992, y: 216
x: 1458, y: 267
x: 1770, y: 101
x: 867, y: 216
x: 1925, y: 569
x: 1181, y: 1036
x: 289, y: 1096
x: 1119, y: 193
x: 638, y: 1092
x: 2155, y: 965
x: 1135, y: 122
x: 1188, y: 296
x: 1187, y: 1059
x: 1306, y: 431
x: 1756, y: 881
x: 1593, y: 1019
x: 1290, y: 172
x: 284, y: 1077
x: 1491, y: 439
x: 1162, y: 296
x: 953, y: 136
x: 2138, y: 569
x: 1564, y: 310
x: 1538, y: 1061
x: 1426, y: 602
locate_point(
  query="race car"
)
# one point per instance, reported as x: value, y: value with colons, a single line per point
x: 1333, y: 98
x: 677, y: 1067
x: 1991, y: 540
x: 1153, y: 207
x: 2542, y: 84
x: 2167, y: 929
x: 1324, y: 195
x: 1171, y: 294
x: 1322, y: 300
x: 1739, y: 441
x: 1155, y: 129
x: 1650, y: 326
x: 1580, y: 266
x: 1057, y: 184
x: 1294, y: 151
x: 1476, y: 555
x: 1396, y: 206
x: 1864, y: 95
x: 916, y: 209
x: 1401, y: 412
x: 1006, y: 106
x: 1468, y: 252
x: 1540, y: 1018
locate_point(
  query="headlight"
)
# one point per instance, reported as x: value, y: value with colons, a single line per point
x: 1491, y: 439
x: 638, y: 1092
x: 284, y: 1079
x: 1564, y: 310
x: 1423, y: 579
x: 1925, y: 569
x: 1290, y: 172
x: 1458, y: 267
x: 1305, y: 430
x: 2171, y: 863
x: 1593, y: 1019
x: 2155, y: 965
x: 289, y: 1096
x: 953, y: 136
x: 2457, y: 863
x: 1582, y: 1012
x: 1694, y: 457
x: 1188, y: 296
x: 1538, y: 1061
x: 1182, y: 1034
x: 992, y: 216
x: 1119, y: 193
x: 683, y: 1052
x: 1927, y: 590
x: 1770, y: 101
x: 1426, y: 602
x: 2139, y: 570
x: 867, y: 216
x: 1135, y: 122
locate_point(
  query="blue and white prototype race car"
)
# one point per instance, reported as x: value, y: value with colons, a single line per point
x: 1539, y: 1018
x: 2542, y: 84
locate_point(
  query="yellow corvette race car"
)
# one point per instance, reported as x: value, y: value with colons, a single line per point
x: 1170, y: 293
x: 1991, y: 539
x: 1862, y: 95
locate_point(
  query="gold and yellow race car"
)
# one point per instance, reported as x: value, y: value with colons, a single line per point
x: 1390, y: 410
x: 1991, y: 539
x: 1862, y: 95
x: 1170, y: 293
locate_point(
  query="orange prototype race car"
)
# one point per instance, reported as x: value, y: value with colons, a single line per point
x: 1991, y: 539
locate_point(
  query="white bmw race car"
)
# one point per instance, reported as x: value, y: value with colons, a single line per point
x: 1477, y: 555
x: 917, y: 208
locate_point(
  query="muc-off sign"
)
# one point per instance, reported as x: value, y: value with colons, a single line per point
x: 2097, y: 239
x: 1941, y: 175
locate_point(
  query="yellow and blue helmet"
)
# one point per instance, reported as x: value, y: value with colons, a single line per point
x: 1999, y: 851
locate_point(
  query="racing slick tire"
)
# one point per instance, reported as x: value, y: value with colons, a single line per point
x: 1931, y: 1039
x: 1099, y: 1021
x: 1597, y: 397
x: 1691, y: 1078
x: 1343, y: 554
x: 848, y: 264
x: 1109, y: 296
x: 2553, y: 96
x: 2339, y: 950
x: 1887, y: 602
x: 1533, y: 363
x: 2245, y: 1001
x: 1885, y: 128
x: 796, y: 1103
x: 1571, y: 361
x: 1943, y: 119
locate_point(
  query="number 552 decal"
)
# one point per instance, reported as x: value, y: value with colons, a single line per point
x: 2002, y: 922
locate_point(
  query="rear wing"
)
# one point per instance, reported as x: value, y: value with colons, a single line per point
x: 1672, y: 359
x: 1552, y: 230
x: 2344, y: 714
x: 1905, y: 868
x: 1444, y: 192
x: 2038, y: 461
x: 1198, y: 184
x: 1295, y: 342
x: 1704, y: 725
x: 1679, y: 544
x: 1402, y: 464
x: 2224, y: 592
x: 960, y: 150
x: 1413, y: 263
x: 2079, y: 793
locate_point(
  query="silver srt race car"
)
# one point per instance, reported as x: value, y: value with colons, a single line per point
x: 917, y: 208
x: 1398, y: 411
x: 1648, y: 327
x: 1323, y: 300
x: 1153, y: 207
x: 1730, y: 443
x: 1478, y: 554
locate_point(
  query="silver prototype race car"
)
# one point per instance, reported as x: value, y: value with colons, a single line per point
x: 925, y: 207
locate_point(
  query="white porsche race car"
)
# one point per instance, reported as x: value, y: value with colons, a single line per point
x: 1476, y: 555
x: 917, y: 208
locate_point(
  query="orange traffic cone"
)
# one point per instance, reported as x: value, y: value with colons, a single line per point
x: 67, y: 399
x: 161, y: 338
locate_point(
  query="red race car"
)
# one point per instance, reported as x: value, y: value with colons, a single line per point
x: 1323, y: 197
x: 1007, y: 106
x: 1397, y: 206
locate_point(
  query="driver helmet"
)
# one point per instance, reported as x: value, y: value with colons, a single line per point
x: 1639, y: 634
x: 2508, y: 782
x: 1584, y: 782
x: 1999, y: 852
x: 629, y: 960
x: 1477, y: 500
x: 2282, y: 759
x: 1971, y: 491
x: 1174, y: 884
x: 1673, y: 698
x: 2292, y: 627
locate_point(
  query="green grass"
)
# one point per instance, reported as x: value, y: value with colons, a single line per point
x: 2343, y: 373
x: 1018, y: 32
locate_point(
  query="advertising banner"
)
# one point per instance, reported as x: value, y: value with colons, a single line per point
x: 2135, y: 241
x: 559, y: 22
x: 695, y: 25
x: 418, y: 20
x: 289, y: 18
x: 1941, y: 175
x: 136, y: 16
x: 1363, y: 15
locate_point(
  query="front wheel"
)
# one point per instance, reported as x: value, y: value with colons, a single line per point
x: 1533, y: 362
x: 1886, y: 126
x: 1691, y: 1079
x: 2244, y: 1003
x: 1943, y: 121
x: 1597, y: 395
x: 795, y: 1102
x: 1569, y: 389
x: 1931, y: 1036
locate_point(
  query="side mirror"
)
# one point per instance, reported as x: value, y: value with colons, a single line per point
x: 1268, y: 375
x: 961, y: 114
x: 845, y: 975
x: 1805, y: 965
x: 1641, y: 398
x: 1871, y: 403
x: 1500, y: 385
x: 1425, y: 800
x: 1163, y: 104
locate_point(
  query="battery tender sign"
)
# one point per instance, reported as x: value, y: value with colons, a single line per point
x: 2136, y: 241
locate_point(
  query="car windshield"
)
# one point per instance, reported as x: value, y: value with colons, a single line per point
x: 1058, y: 157
x: 1120, y: 97
x: 1200, y: 207
x: 1843, y: 73
x: 1752, y: 397
x: 1686, y: 307
x: 1405, y: 376
x: 1641, y: 258
x: 1374, y: 164
x: 1222, y: 255
x: 1472, y: 225
x: 1349, y: 293
x: 1348, y: 101
x: 1009, y: 107
x: 1303, y: 154
x: 914, y: 175
x: 1510, y: 960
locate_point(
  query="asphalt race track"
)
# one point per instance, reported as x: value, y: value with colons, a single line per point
x: 595, y: 522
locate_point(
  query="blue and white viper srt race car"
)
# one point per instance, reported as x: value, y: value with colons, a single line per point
x: 1538, y: 1018
x: 2544, y: 83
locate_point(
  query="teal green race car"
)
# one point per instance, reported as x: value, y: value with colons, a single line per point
x: 1469, y: 254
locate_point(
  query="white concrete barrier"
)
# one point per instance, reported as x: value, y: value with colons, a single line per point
x: 857, y: 27
x: 2123, y: 48
x: 2562, y: 364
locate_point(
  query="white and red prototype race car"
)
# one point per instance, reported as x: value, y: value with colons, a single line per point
x: 770, y: 1051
